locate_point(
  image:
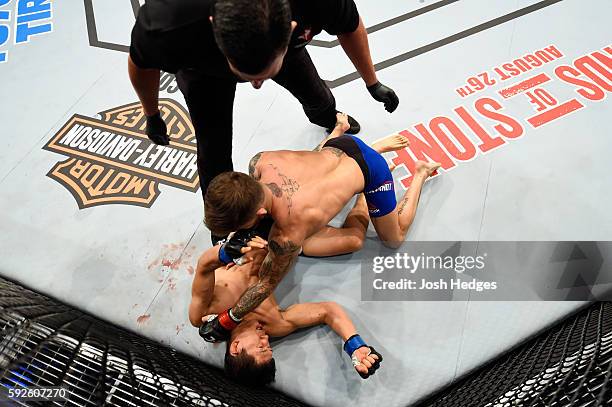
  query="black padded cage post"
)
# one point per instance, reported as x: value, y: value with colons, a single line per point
x: 46, y: 343
x: 569, y: 365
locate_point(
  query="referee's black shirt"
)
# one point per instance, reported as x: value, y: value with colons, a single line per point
x: 172, y: 35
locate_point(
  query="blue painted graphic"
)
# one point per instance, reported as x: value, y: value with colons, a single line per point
x: 31, y: 18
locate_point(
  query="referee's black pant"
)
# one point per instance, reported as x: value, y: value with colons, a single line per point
x: 210, y: 101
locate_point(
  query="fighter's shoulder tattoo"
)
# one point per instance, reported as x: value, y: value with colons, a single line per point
x: 288, y: 187
x: 253, y: 164
x: 276, y: 190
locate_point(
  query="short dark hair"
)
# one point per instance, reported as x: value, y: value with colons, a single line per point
x: 231, y: 200
x: 243, y: 369
x: 251, y: 33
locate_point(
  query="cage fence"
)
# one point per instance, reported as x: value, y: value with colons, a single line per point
x: 46, y: 343
x: 568, y: 365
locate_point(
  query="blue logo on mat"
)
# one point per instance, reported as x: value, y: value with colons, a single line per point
x: 31, y: 17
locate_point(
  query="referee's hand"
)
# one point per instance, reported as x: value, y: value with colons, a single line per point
x: 156, y: 130
x: 385, y: 95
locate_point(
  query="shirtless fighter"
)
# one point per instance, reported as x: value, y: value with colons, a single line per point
x: 216, y: 287
x: 302, y: 191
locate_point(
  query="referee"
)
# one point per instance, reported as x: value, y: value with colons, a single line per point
x: 211, y: 45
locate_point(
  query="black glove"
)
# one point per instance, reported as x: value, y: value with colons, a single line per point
x: 374, y: 367
x: 218, y: 328
x: 231, y: 250
x: 354, y: 343
x: 384, y: 94
x: 156, y: 130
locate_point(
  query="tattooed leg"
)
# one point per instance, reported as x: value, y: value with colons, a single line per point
x: 392, y: 228
x: 407, y: 207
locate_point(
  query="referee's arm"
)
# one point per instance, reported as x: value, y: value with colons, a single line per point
x: 357, y: 48
x: 146, y: 85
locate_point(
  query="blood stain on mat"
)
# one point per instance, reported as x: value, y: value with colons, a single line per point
x: 190, y: 269
x: 172, y: 264
x: 154, y: 262
x: 143, y: 318
x: 169, y: 251
x: 179, y: 328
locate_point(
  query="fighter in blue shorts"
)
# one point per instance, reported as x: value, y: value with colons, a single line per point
x: 302, y: 191
x: 379, y: 190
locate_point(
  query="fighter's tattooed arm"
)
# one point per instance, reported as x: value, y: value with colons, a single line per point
x: 281, y: 257
x: 252, y: 166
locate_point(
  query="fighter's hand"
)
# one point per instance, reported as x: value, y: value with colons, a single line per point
x: 256, y: 242
x: 364, y: 358
x: 248, y: 252
x: 218, y: 328
x: 156, y: 130
x: 232, y: 249
x: 366, y: 361
x: 384, y: 94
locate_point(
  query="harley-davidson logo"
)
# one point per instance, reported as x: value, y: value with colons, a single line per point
x: 111, y: 160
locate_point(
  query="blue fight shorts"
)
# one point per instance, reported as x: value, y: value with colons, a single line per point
x: 379, y: 189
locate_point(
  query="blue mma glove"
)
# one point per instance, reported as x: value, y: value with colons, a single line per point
x: 355, y: 342
x: 230, y: 251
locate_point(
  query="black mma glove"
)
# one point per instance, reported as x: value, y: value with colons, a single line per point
x: 351, y: 345
x: 231, y: 250
x: 156, y: 130
x: 384, y: 94
x: 218, y: 328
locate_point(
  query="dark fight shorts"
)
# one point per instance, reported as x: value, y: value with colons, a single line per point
x: 379, y: 189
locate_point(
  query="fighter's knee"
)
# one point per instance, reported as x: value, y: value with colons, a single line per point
x: 392, y: 244
x: 354, y: 243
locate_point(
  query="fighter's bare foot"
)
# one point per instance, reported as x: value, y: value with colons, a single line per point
x: 426, y: 168
x: 342, y: 122
x: 393, y: 142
